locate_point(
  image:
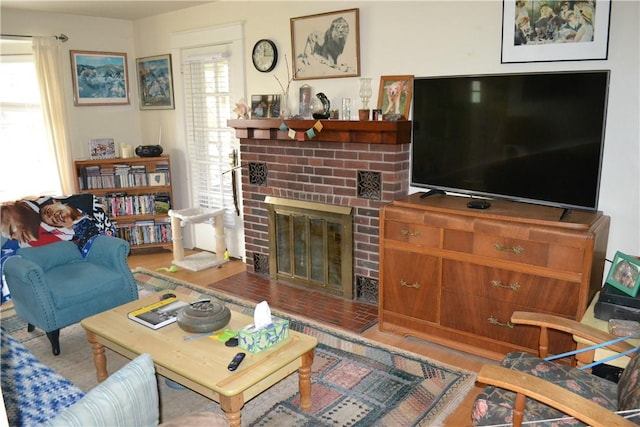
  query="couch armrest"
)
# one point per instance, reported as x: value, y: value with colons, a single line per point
x: 112, y: 253
x: 109, y: 251
x: 26, y: 279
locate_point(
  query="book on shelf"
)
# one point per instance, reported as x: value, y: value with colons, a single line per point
x: 159, y: 314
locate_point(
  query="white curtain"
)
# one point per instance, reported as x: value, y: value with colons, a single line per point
x: 46, y: 56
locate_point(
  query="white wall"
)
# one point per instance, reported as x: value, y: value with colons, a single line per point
x: 423, y: 38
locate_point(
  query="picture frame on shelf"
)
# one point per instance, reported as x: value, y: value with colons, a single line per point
x: 326, y: 45
x: 536, y: 31
x: 155, y: 82
x: 102, y: 148
x: 99, y: 78
x: 624, y: 274
x: 265, y: 106
x: 394, y: 96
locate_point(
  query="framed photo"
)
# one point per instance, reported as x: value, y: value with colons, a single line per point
x: 157, y: 178
x: 540, y: 30
x: 394, y: 96
x: 104, y: 148
x: 326, y: 45
x: 625, y: 274
x: 99, y: 78
x: 265, y: 106
x: 155, y: 82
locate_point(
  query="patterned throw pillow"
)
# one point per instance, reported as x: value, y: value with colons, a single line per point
x: 127, y: 398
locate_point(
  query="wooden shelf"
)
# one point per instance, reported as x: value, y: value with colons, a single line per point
x: 352, y: 131
x: 135, y: 220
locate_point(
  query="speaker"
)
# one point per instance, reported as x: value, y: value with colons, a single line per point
x: 149, y: 150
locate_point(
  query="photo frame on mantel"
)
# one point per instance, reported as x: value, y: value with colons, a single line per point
x: 539, y: 30
x: 394, y: 96
x: 326, y: 45
x: 99, y: 78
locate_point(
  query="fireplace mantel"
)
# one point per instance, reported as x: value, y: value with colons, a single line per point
x: 354, y: 131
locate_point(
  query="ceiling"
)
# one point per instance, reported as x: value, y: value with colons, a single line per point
x: 127, y: 10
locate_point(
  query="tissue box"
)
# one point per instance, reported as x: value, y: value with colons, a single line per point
x: 256, y: 341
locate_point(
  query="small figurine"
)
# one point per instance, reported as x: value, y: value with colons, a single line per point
x: 242, y: 109
x: 326, y: 106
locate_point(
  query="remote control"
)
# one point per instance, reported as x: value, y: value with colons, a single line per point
x: 237, y: 359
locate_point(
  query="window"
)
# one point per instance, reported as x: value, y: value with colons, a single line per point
x: 209, y: 141
x: 29, y: 166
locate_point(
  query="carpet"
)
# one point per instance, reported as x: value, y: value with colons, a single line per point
x: 355, y: 381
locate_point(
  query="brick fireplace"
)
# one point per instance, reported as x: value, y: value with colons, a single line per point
x: 360, y: 165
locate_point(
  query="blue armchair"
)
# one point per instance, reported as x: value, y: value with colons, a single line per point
x: 54, y: 286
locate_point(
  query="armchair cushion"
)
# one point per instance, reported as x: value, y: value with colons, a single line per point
x: 495, y: 405
x: 629, y: 386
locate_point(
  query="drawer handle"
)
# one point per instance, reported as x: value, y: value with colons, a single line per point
x: 513, y: 286
x: 407, y: 285
x: 495, y: 321
x: 515, y: 249
x: 406, y: 232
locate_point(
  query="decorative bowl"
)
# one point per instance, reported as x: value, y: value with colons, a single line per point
x: 203, y: 316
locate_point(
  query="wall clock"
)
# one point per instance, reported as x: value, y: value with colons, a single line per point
x: 265, y: 55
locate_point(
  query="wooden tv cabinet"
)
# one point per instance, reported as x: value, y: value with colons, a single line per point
x: 454, y: 275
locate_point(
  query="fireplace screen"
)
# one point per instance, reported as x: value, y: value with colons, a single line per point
x: 311, y: 245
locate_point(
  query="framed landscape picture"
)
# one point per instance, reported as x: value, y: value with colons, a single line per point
x: 326, y: 45
x: 99, y: 78
x: 624, y: 274
x: 155, y: 82
x: 540, y: 30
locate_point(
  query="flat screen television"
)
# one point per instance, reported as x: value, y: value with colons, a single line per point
x: 535, y: 138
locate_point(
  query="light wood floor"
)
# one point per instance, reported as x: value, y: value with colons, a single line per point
x: 460, y: 417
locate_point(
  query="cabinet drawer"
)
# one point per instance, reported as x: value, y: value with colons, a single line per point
x: 414, y: 234
x: 530, y: 252
x: 510, y: 287
x: 410, y: 284
x: 491, y: 319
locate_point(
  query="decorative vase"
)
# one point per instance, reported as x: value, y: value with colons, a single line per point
x: 285, y: 106
x: 320, y: 110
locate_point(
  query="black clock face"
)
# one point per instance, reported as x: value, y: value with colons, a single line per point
x: 265, y: 55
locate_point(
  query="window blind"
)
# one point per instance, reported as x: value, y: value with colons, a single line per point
x: 209, y: 140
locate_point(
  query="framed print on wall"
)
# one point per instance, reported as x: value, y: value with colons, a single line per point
x: 155, y: 82
x: 540, y: 30
x: 624, y: 274
x: 99, y: 78
x: 394, y: 96
x: 326, y: 45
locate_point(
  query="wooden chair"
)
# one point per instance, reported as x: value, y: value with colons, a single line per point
x: 528, y: 388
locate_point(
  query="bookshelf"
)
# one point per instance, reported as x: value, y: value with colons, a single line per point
x: 136, y: 194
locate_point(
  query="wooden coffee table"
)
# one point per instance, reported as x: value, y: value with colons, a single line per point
x: 201, y: 364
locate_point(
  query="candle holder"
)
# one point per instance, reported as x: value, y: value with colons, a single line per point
x: 365, y: 95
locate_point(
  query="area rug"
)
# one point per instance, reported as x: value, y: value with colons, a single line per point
x: 355, y: 381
